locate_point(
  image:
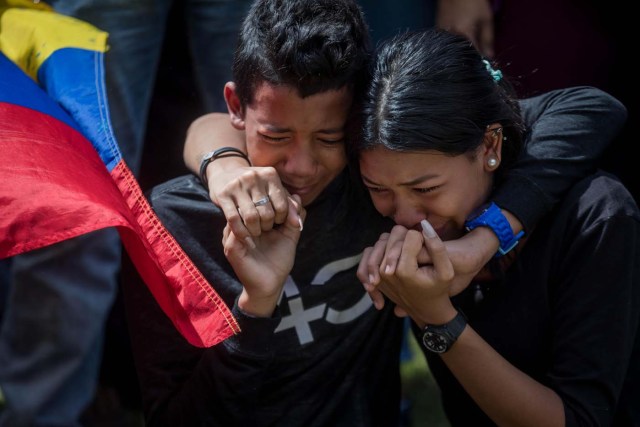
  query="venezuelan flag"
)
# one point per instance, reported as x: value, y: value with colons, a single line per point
x: 62, y: 172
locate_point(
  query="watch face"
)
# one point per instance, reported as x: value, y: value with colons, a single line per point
x: 435, y: 342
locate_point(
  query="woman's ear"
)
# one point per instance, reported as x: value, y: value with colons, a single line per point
x: 492, y: 147
x: 234, y: 106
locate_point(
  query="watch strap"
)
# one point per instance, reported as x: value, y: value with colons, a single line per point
x: 493, y: 218
x: 449, y: 331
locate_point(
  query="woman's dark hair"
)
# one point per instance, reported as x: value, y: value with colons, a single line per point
x: 310, y: 45
x: 431, y: 90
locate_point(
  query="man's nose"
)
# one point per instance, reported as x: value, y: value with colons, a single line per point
x: 302, y: 161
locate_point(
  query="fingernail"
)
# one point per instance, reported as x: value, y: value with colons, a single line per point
x: 388, y: 269
x: 375, y: 302
x: 371, y: 279
x: 250, y: 242
x: 428, y: 230
x: 296, y: 201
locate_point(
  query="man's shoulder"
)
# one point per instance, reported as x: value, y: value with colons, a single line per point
x: 181, y: 197
x: 180, y: 186
x: 184, y: 208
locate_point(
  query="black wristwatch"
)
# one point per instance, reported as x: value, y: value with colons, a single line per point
x: 440, y: 338
x: 489, y: 215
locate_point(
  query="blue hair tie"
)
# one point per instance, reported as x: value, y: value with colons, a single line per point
x: 496, y: 74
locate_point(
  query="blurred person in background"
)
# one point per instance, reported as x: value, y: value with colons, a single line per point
x: 78, y: 279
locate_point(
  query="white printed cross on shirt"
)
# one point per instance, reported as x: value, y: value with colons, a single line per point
x: 300, y: 318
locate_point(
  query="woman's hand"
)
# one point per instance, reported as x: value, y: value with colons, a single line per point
x: 264, y: 266
x: 468, y: 255
x: 418, y: 289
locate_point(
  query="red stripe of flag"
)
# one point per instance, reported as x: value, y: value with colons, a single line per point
x: 56, y: 187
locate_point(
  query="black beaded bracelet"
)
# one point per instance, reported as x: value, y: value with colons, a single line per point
x: 220, y: 153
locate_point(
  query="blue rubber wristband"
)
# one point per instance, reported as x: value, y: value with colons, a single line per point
x: 491, y: 216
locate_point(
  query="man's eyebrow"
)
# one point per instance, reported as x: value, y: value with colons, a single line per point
x: 276, y: 129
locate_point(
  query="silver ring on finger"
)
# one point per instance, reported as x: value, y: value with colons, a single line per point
x: 263, y: 201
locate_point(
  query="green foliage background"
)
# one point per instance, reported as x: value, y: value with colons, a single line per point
x: 420, y: 388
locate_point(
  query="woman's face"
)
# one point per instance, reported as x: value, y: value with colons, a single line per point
x: 411, y: 186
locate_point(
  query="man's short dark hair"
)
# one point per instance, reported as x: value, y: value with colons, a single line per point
x: 310, y: 45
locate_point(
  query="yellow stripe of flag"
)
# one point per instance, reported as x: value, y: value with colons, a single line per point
x: 29, y: 35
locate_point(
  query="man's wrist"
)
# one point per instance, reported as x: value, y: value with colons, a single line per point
x: 218, y: 155
x: 486, y: 242
x: 223, y: 164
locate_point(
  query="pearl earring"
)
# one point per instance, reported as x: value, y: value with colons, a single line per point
x: 492, y: 162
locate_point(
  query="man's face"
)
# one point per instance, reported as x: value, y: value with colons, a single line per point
x: 302, y: 138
